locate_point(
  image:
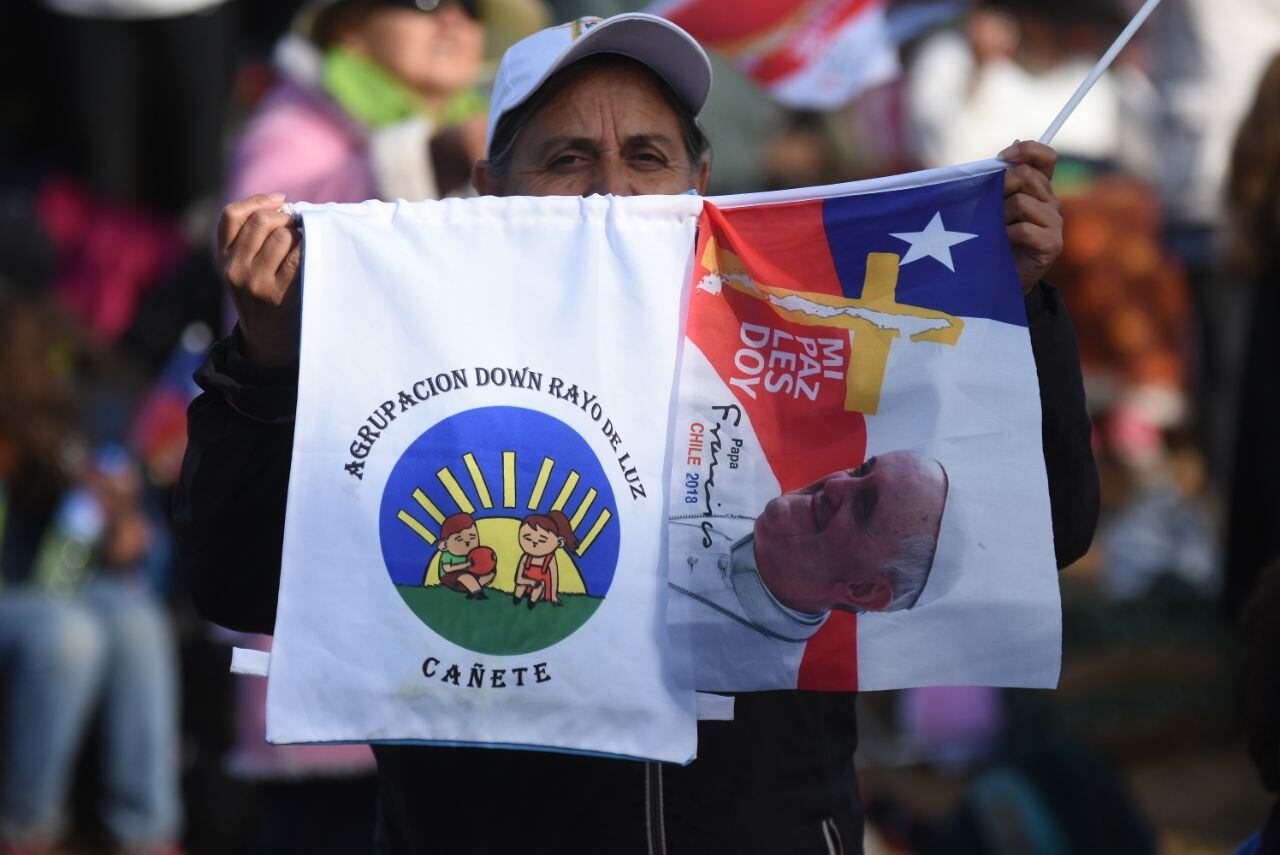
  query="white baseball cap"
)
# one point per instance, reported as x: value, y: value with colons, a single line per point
x: 663, y: 47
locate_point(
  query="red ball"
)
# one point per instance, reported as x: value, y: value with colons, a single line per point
x: 483, y: 560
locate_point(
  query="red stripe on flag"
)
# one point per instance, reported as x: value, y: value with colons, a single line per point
x: 803, y: 437
x: 783, y: 245
x: 717, y: 22
x: 830, y: 661
x: 776, y: 368
x: 811, y: 38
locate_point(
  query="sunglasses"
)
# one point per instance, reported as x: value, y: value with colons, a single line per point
x: 471, y: 8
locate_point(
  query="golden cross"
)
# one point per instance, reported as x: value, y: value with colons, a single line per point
x: 874, y: 321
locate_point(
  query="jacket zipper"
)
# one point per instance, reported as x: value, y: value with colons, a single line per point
x: 831, y: 832
x: 654, y: 820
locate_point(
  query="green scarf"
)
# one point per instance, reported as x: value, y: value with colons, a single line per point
x: 367, y: 91
x: 376, y: 98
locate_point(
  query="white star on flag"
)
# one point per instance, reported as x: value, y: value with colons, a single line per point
x: 934, y: 242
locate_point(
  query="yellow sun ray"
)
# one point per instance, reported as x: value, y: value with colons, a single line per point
x: 420, y: 529
x: 581, y: 512
x: 428, y: 506
x: 508, y: 479
x: 598, y: 527
x: 565, y: 491
x: 544, y: 475
x: 477, y: 478
x: 455, y: 489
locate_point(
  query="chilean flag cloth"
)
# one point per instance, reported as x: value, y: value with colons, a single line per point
x: 858, y: 492
x: 809, y: 54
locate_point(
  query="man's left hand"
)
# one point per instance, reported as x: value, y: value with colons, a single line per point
x: 1031, y: 210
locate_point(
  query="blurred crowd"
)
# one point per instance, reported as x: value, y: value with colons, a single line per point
x: 126, y: 124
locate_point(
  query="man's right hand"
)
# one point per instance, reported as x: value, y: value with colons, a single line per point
x: 260, y: 252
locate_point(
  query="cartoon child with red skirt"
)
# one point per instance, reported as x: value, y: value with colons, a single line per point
x: 536, y: 573
x: 465, y: 565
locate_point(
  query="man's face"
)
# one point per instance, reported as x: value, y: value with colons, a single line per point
x: 824, y: 545
x: 609, y: 130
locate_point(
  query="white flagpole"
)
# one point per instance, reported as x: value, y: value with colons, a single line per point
x: 1099, y: 69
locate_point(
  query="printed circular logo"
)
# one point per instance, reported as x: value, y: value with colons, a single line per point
x: 500, y: 530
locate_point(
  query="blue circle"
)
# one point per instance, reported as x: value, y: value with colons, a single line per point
x: 486, y: 434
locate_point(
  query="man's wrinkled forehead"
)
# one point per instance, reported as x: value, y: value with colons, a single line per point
x: 628, y: 74
x: 602, y: 99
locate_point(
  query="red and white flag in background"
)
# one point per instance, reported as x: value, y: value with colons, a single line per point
x: 809, y: 54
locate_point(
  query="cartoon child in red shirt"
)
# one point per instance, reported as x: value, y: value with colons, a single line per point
x: 536, y: 574
x: 465, y: 565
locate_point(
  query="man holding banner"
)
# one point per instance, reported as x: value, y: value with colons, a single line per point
x: 592, y: 107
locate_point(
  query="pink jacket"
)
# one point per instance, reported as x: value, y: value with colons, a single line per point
x: 302, y: 144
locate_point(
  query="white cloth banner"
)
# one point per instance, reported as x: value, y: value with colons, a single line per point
x: 473, y: 547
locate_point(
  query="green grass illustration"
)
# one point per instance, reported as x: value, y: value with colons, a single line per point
x: 494, y: 626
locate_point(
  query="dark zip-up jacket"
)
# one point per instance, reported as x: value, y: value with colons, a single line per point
x: 778, y: 779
